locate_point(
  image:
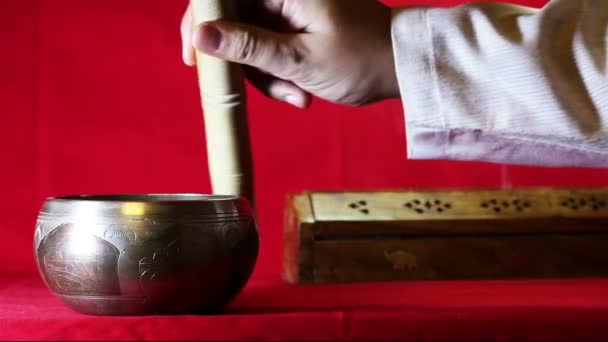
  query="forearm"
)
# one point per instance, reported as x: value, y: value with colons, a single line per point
x: 502, y: 83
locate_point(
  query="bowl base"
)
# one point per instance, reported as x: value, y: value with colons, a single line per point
x: 124, y: 306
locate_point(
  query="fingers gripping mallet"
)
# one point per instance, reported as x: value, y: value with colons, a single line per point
x: 222, y: 88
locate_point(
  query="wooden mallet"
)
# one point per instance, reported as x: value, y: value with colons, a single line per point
x: 222, y: 89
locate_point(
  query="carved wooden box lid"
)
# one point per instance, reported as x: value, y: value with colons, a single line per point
x: 443, y: 211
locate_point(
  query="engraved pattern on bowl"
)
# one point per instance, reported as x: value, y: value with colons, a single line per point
x: 165, y: 255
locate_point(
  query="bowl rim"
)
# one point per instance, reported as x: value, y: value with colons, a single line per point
x: 167, y: 198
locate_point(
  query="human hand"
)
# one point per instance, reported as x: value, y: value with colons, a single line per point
x: 337, y: 50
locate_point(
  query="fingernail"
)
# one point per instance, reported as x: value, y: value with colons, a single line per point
x: 187, y: 57
x: 207, y: 38
x: 291, y: 99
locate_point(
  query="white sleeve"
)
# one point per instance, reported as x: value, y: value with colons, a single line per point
x: 503, y: 83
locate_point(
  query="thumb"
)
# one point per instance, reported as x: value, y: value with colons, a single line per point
x: 271, y: 52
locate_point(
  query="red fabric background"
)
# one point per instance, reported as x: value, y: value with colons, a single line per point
x: 94, y: 98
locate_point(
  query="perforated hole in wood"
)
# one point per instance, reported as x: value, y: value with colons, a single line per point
x: 591, y: 202
x: 499, y: 206
x: 360, y: 206
x: 425, y: 206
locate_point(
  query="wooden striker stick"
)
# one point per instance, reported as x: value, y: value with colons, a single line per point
x: 223, y: 99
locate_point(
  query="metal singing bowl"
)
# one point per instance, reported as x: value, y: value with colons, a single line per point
x: 146, y: 254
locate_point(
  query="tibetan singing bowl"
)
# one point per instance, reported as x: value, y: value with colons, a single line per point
x: 146, y: 254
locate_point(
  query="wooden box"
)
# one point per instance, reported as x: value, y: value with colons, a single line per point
x: 445, y: 235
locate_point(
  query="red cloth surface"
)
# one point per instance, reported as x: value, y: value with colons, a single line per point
x: 574, y: 310
x: 94, y: 98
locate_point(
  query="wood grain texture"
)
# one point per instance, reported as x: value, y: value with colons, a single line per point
x: 461, y: 258
x: 477, y: 234
x: 336, y: 230
x: 299, y: 239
